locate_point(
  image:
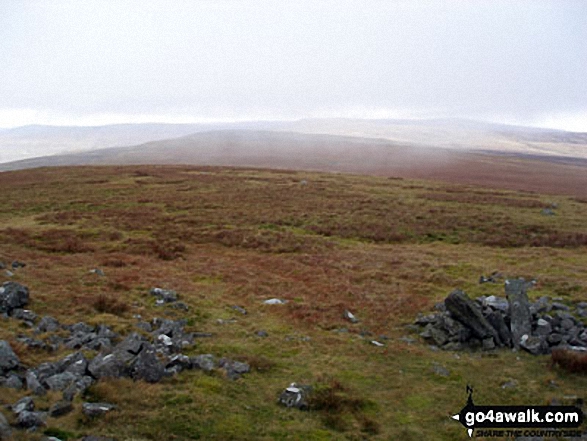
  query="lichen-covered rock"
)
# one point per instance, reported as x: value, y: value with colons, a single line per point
x: 12, y: 296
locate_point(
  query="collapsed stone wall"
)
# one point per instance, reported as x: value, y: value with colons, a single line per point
x: 512, y: 321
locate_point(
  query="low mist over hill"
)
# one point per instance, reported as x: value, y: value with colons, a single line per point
x: 34, y: 141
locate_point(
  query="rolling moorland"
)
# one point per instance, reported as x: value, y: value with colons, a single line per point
x: 383, y: 247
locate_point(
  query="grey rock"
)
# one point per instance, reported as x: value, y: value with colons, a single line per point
x: 275, y: 302
x: 423, y: 320
x: 24, y: 404
x: 542, y: 328
x: 33, y: 384
x: 31, y: 420
x: 164, y: 295
x: 350, y: 316
x: 557, y: 306
x: 497, y: 303
x: 205, y: 362
x: 48, y: 324
x: 12, y: 296
x: 296, y: 396
x: 438, y: 336
x: 147, y: 366
x: 8, y: 273
x: 60, y: 408
x: 240, y: 309
x: 94, y: 410
x: 261, y: 333
x: 547, y: 212
x: 97, y: 271
x: 12, y: 382
x: 511, y: 384
x: 377, y: 343
x: 81, y: 327
x: 520, y: 317
x: 488, y: 344
x: 78, y: 387
x: 8, y: 359
x: 440, y: 370
x: 25, y: 315
x: 110, y: 365
x: 75, y: 363
x: 536, y: 345
x: 5, y: 430
x: 130, y: 346
x: 16, y: 264
x: 496, y: 320
x: 554, y: 339
x: 465, y: 311
x: 566, y: 324
x: 233, y: 369
x: 60, y: 382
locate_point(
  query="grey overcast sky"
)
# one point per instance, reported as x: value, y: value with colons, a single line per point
x: 105, y: 61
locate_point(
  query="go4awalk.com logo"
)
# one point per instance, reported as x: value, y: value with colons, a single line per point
x: 514, y: 421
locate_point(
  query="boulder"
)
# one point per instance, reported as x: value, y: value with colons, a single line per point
x: 31, y: 420
x: 94, y: 410
x: 463, y: 309
x: 24, y: 404
x: 520, y: 317
x: 147, y: 366
x: 110, y: 365
x: 496, y: 320
x: 164, y: 295
x: 8, y: 359
x: 12, y: 296
x: 60, y: 408
x: 296, y: 396
x: 205, y: 362
x: 233, y: 369
x: 48, y: 324
x: 33, y: 383
x: 536, y: 345
x: 350, y: 316
x: 13, y: 381
x: 60, y: 382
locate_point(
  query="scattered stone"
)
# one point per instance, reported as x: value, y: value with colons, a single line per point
x: 12, y: 296
x: 510, y: 384
x: 225, y: 321
x: 31, y: 420
x: 61, y: 381
x: 8, y: 359
x: 240, y: 309
x: 350, y: 316
x: 16, y: 264
x: 205, y: 362
x: 164, y: 295
x: 60, y: 408
x: 296, y: 396
x: 48, y: 324
x: 25, y: 403
x: 233, y: 369
x: 97, y: 271
x: 536, y: 345
x: 13, y: 381
x: 93, y: 410
x: 262, y: 333
x: 440, y: 370
x: 275, y: 302
x: 497, y: 303
x: 8, y: 273
x: 110, y: 365
x: 97, y: 438
x: 33, y: 384
x: 547, y: 212
x: 407, y: 340
x: 376, y: 343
